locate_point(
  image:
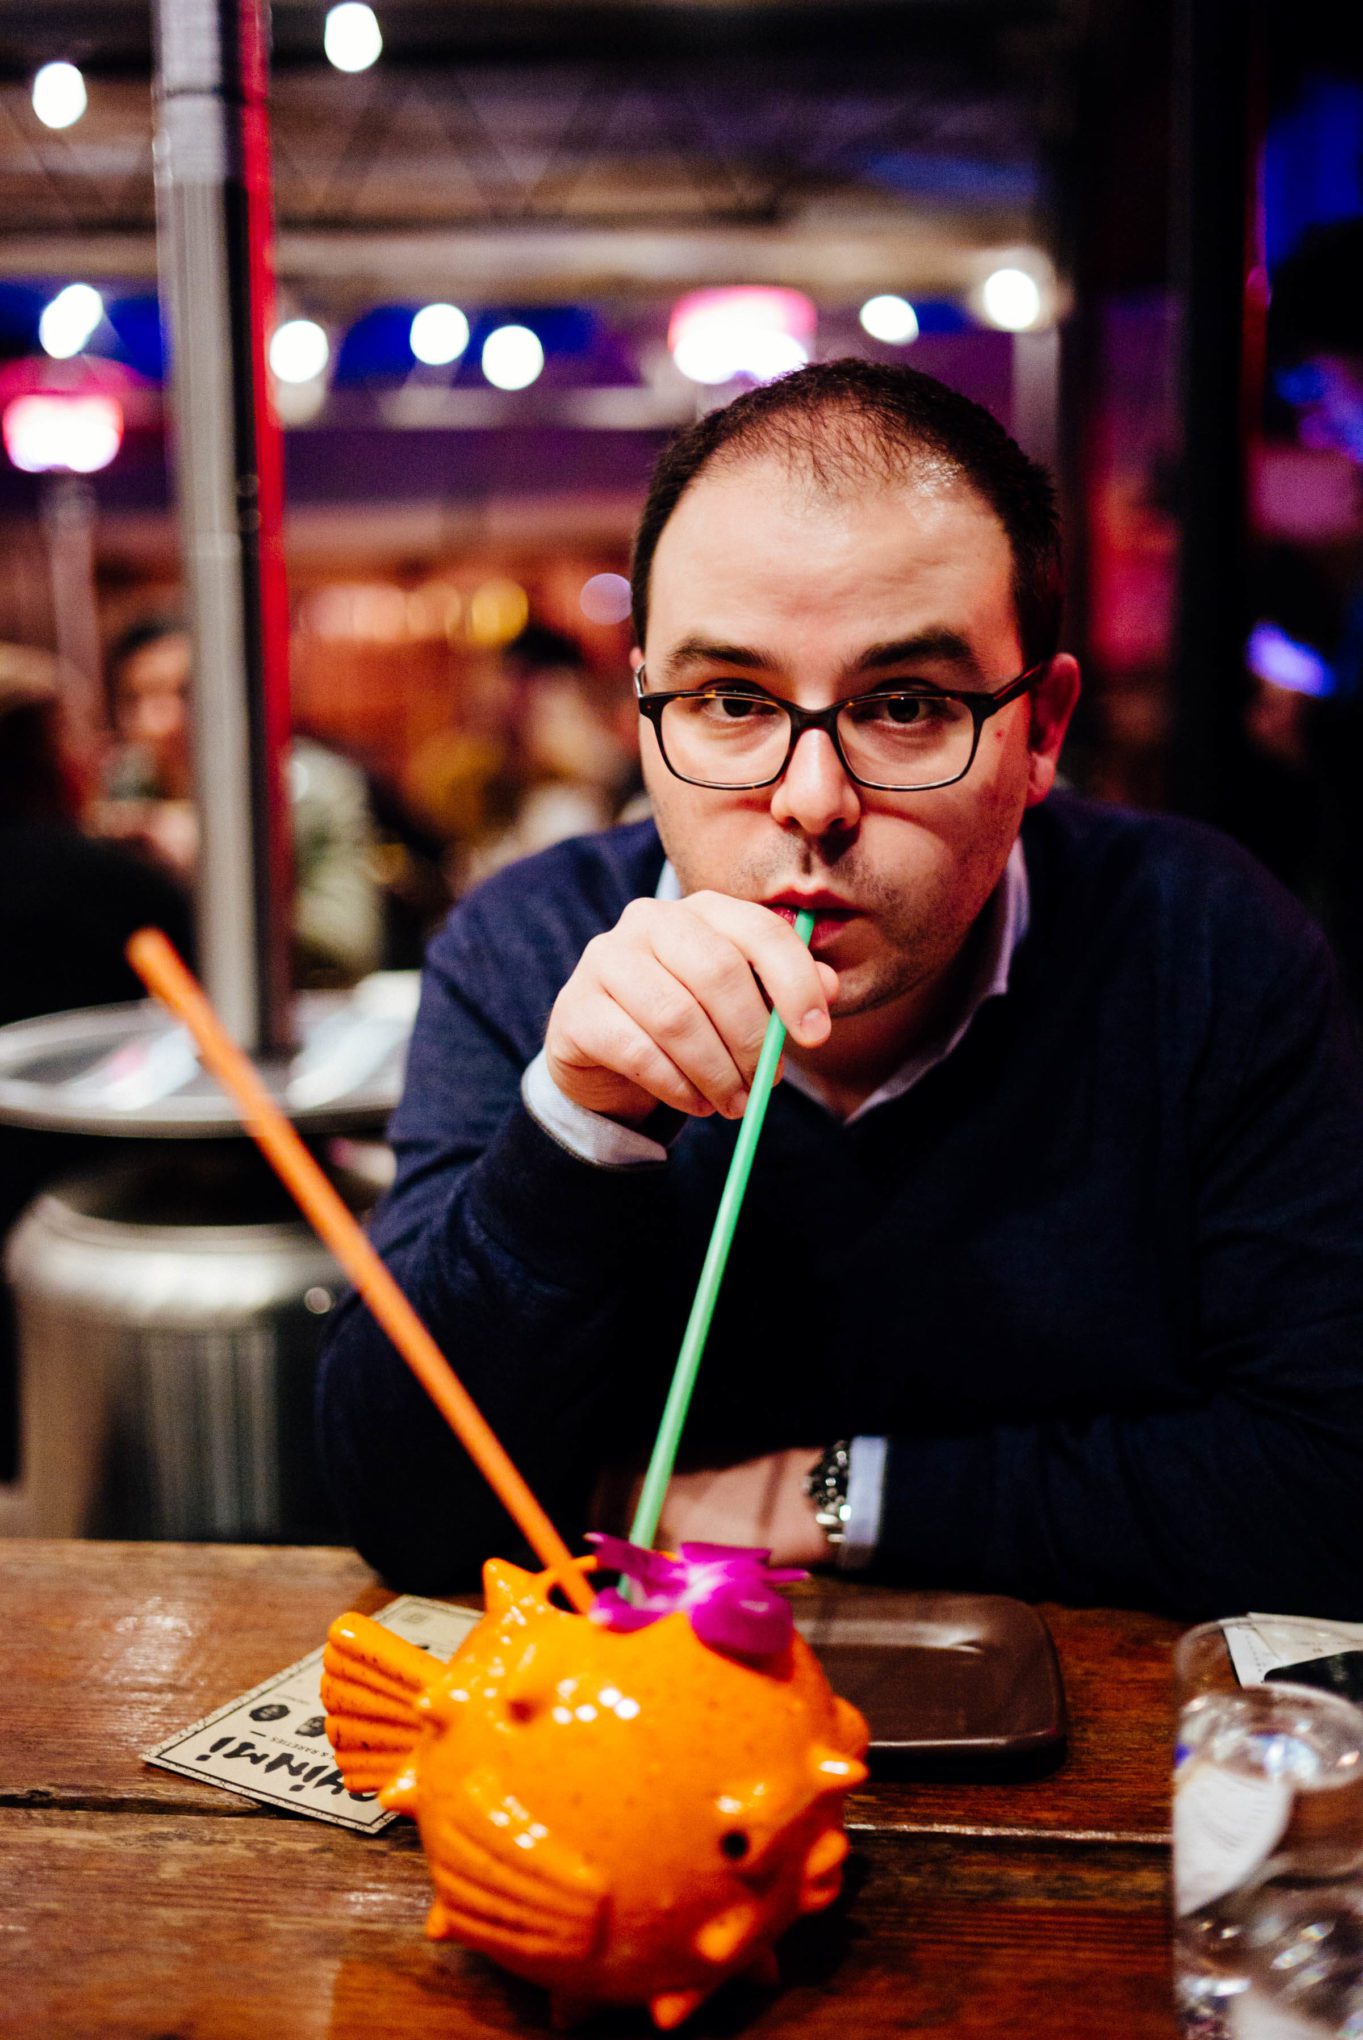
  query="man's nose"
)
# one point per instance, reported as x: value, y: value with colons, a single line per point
x: 815, y: 795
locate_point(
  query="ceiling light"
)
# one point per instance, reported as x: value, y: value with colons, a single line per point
x: 352, y: 37
x: 59, y: 97
x: 1011, y: 299
x: 439, y: 334
x: 69, y: 321
x: 512, y: 357
x: 716, y: 335
x: 889, y: 318
x: 77, y: 434
x: 299, y: 351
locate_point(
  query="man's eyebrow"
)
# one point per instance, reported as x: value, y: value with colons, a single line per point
x: 696, y: 651
x: 943, y: 646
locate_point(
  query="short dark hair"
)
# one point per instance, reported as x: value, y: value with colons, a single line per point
x: 841, y: 419
x: 143, y: 631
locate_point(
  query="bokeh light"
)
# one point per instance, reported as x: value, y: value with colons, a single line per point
x: 46, y: 431
x: 498, y: 612
x: 605, y: 598
x: 512, y: 357
x: 59, y: 97
x: 439, y: 334
x: 70, y: 320
x: 889, y: 318
x: 299, y: 351
x: 1286, y: 662
x: 1011, y: 300
x: 717, y: 335
x: 352, y: 37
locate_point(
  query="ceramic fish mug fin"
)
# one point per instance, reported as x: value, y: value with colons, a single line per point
x: 373, y: 1687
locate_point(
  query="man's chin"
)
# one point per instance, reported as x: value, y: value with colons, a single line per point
x: 866, y: 987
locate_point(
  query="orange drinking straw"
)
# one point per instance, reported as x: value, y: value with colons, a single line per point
x: 163, y: 973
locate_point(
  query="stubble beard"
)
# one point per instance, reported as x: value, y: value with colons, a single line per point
x: 909, y: 949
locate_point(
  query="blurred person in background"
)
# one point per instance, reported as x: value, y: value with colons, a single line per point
x: 574, y: 771
x: 338, y: 919
x: 67, y: 907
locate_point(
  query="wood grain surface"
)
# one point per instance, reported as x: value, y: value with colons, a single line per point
x: 107, y: 1649
x: 141, y: 1906
x: 148, y: 1926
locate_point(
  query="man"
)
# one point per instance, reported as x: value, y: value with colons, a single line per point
x: 337, y: 912
x: 1056, y: 1226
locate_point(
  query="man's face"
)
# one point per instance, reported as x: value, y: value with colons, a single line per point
x: 151, y: 707
x: 761, y: 577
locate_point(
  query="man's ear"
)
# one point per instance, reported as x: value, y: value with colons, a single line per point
x: 1053, y: 700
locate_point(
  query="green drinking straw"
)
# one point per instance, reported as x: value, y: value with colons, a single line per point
x: 645, y: 1524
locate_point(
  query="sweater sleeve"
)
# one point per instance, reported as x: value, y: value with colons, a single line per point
x: 520, y: 1257
x: 1251, y: 1495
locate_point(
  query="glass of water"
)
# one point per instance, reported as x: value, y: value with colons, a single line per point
x: 1268, y: 1845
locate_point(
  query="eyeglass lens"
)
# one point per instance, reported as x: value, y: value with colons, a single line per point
x: 896, y: 740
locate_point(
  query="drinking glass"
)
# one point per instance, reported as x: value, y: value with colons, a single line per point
x: 1268, y: 1846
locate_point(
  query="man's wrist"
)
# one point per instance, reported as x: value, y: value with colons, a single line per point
x: 826, y: 1487
x: 591, y: 1136
x: 845, y: 1489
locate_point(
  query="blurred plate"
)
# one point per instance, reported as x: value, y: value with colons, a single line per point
x: 962, y: 1682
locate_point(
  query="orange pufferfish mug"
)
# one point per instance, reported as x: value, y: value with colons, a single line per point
x: 621, y: 1817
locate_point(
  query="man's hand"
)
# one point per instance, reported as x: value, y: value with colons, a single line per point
x: 761, y: 1501
x: 667, y: 1008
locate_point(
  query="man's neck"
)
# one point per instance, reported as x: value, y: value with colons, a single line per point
x: 866, y: 1049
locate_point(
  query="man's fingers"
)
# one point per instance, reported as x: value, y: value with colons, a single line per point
x: 666, y: 1007
x: 607, y: 1038
x: 721, y: 979
x: 789, y: 975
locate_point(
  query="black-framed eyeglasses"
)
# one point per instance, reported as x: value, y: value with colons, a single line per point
x: 904, y: 740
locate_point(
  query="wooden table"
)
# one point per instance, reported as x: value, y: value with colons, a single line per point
x: 137, y: 1903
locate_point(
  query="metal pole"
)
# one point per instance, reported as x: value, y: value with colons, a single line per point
x: 214, y: 238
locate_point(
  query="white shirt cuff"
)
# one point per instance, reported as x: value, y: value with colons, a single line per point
x: 588, y: 1135
x: 865, y: 1494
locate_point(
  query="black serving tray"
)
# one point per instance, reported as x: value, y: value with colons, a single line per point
x: 960, y: 1683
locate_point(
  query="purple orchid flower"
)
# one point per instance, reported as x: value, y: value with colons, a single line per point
x: 726, y: 1591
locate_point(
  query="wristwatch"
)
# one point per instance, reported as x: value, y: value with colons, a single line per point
x: 826, y: 1486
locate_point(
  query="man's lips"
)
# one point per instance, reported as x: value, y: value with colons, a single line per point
x: 830, y: 913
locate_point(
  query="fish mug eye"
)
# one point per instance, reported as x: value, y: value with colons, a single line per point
x: 734, y: 1845
x: 521, y: 1711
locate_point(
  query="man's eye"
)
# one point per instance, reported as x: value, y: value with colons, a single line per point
x: 900, y: 711
x: 735, y: 707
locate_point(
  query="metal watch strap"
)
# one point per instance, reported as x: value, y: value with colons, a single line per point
x: 826, y: 1486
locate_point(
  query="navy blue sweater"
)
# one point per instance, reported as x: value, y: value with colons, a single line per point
x: 1098, y: 1276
